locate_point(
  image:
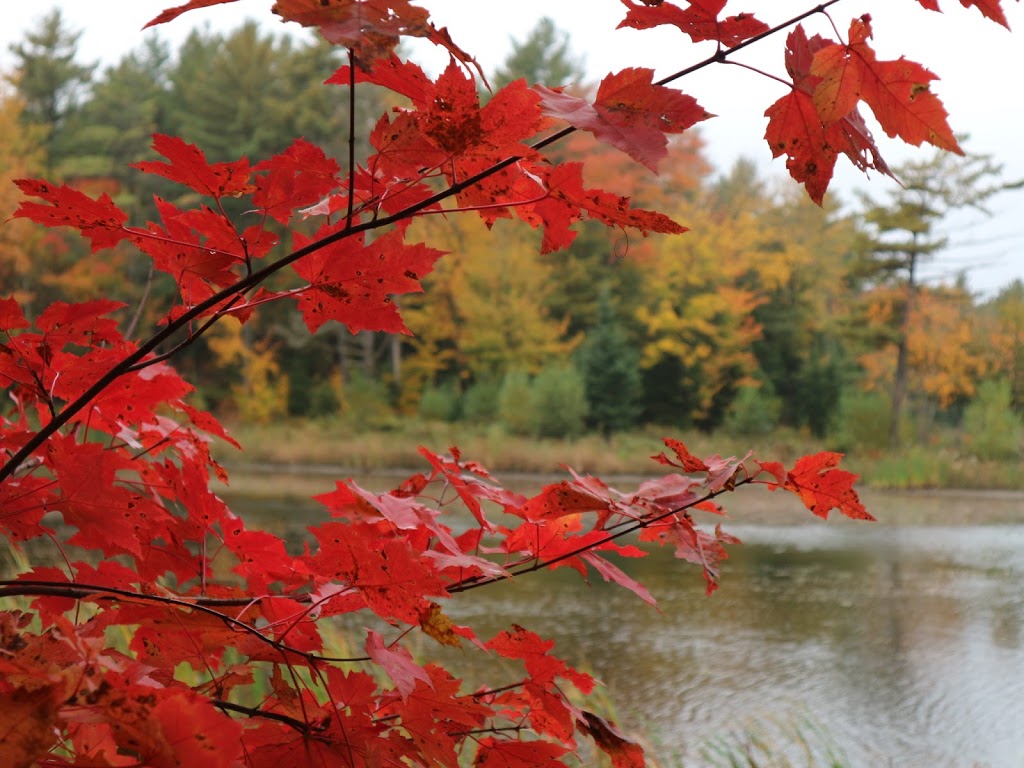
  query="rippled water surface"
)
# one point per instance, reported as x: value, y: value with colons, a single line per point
x: 903, y: 642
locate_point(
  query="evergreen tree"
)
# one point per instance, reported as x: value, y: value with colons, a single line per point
x: 115, y: 126
x: 240, y: 64
x: 51, y: 82
x: 544, y: 57
x: 610, y: 366
x: 799, y: 350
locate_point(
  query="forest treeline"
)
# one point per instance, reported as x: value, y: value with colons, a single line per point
x: 773, y: 312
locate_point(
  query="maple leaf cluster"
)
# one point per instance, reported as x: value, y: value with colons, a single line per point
x: 819, y: 119
x: 225, y: 658
x: 395, y: 555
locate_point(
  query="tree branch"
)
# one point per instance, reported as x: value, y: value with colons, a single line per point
x: 76, y: 591
x: 257, y: 277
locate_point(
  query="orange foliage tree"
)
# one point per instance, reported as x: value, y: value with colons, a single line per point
x: 19, y: 240
x: 947, y: 353
x: 224, y: 659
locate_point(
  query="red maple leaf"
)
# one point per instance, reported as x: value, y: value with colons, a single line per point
x: 353, y: 283
x: 389, y: 574
x: 198, y: 268
x: 22, y: 506
x: 990, y: 8
x: 188, y: 166
x: 371, y: 29
x: 624, y: 752
x: 631, y: 113
x: 11, y: 316
x: 28, y: 722
x: 673, y: 491
x: 897, y: 91
x: 685, y: 460
x: 692, y: 544
x: 699, y: 20
x: 820, y: 485
x: 397, y: 662
x: 432, y: 711
x: 83, y: 323
x: 448, y: 131
x: 567, y: 200
x: 404, y: 77
x: 99, y: 220
x: 506, y: 753
x: 560, y: 499
x: 172, y: 13
x: 109, y: 517
x: 451, y: 120
x: 297, y: 177
x: 611, y: 572
x: 797, y: 130
x: 533, y: 650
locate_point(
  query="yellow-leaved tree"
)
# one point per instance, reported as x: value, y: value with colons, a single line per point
x: 487, y: 313
x: 699, y: 300
x: 20, y: 239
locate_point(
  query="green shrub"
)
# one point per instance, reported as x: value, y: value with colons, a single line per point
x: 863, y: 421
x: 440, y: 403
x: 915, y: 466
x: 992, y: 429
x: 557, y: 403
x: 366, y: 403
x: 755, y: 411
x: 323, y: 399
x: 513, y: 403
x: 480, y: 402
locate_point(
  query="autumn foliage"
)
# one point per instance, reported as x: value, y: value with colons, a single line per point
x: 159, y: 629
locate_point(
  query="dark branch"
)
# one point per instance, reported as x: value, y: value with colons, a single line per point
x: 130, y: 362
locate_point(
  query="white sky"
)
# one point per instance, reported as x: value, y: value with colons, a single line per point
x: 980, y: 65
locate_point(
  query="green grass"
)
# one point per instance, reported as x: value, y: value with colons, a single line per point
x: 793, y: 742
x: 336, y: 444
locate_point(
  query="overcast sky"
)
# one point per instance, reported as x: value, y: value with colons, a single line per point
x: 979, y: 65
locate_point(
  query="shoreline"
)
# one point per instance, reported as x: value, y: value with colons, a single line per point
x: 900, y: 507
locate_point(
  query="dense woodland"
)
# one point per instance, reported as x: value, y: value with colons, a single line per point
x: 776, y: 312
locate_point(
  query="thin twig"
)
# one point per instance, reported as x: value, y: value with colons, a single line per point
x: 624, y: 528
x: 78, y: 591
x: 351, y: 136
x: 294, y: 722
x: 130, y: 330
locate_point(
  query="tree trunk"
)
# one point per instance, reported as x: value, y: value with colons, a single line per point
x: 899, y: 384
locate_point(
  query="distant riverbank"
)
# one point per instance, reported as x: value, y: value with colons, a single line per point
x: 753, y: 506
x: 322, y: 448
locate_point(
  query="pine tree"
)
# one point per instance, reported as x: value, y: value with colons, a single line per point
x: 544, y: 57
x: 611, y: 373
x: 51, y: 82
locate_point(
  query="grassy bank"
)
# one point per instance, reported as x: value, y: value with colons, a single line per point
x: 334, y: 444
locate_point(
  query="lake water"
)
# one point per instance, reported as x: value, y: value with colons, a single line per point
x: 902, y: 643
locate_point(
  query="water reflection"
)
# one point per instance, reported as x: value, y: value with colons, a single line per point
x: 904, y: 642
